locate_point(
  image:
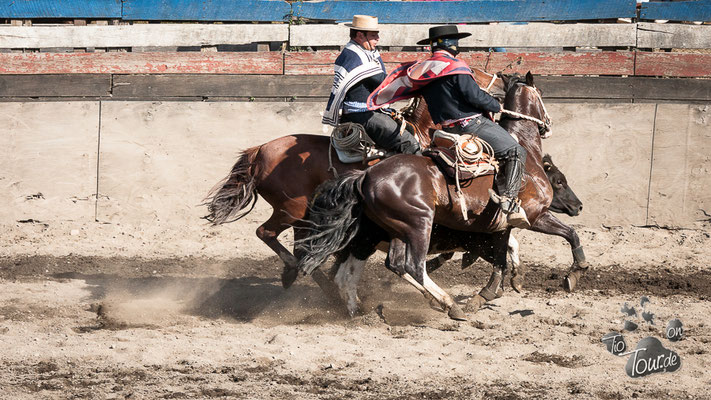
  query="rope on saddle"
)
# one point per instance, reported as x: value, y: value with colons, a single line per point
x: 469, y: 150
x: 352, y: 144
x: 342, y: 137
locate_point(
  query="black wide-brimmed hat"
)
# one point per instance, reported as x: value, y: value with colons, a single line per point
x: 444, y: 32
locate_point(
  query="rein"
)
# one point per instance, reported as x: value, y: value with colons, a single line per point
x: 491, y: 83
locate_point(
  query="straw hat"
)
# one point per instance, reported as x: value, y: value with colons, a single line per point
x: 364, y: 23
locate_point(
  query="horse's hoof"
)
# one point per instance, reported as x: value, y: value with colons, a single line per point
x: 475, y: 303
x: 354, y: 311
x: 569, y: 283
x: 517, y: 283
x: 288, y: 277
x: 456, y: 313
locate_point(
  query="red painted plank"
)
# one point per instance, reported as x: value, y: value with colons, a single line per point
x: 600, y: 63
x: 264, y: 63
x: 686, y: 65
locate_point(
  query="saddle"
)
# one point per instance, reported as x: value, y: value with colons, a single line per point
x: 462, y: 157
x: 352, y: 144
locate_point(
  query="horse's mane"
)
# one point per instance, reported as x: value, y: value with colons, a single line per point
x: 511, y: 80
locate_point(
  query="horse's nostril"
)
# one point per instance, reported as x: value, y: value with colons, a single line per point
x: 580, y: 209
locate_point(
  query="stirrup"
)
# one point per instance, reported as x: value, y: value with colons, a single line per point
x: 518, y: 219
x: 515, y: 215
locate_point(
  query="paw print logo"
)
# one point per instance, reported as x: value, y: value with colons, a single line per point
x: 649, y: 356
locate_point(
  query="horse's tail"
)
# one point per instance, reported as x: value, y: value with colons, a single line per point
x: 332, y: 220
x: 228, y: 199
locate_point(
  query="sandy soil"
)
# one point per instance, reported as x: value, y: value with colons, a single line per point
x: 90, y: 310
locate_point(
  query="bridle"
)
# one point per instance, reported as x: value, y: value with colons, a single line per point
x: 491, y: 83
x: 544, y: 126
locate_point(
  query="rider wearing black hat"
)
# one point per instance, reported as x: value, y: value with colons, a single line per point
x: 456, y: 101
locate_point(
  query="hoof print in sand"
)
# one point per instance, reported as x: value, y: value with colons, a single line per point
x: 651, y: 357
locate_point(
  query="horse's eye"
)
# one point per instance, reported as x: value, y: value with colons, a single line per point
x: 560, y: 183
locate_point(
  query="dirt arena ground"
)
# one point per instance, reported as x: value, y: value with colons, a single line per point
x: 108, y: 311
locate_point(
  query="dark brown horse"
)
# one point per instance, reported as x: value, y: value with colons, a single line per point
x: 285, y: 172
x: 350, y: 261
x: 408, y: 195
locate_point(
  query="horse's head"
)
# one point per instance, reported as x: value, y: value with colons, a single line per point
x: 524, y: 98
x: 564, y: 199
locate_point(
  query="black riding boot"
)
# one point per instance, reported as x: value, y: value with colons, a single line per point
x: 514, y: 167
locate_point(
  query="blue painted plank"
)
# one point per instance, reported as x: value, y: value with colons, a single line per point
x: 206, y: 10
x: 21, y: 9
x: 419, y: 12
x: 699, y: 10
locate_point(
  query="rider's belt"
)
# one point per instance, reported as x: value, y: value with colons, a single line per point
x: 462, y: 122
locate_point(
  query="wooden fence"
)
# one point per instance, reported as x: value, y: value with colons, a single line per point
x: 389, y: 12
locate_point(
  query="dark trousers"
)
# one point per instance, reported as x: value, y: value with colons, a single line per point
x: 500, y: 140
x: 384, y: 131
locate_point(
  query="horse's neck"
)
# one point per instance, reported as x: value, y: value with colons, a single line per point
x: 527, y: 131
x: 422, y: 120
x: 483, y: 79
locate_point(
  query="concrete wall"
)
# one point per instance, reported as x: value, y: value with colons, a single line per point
x: 629, y: 163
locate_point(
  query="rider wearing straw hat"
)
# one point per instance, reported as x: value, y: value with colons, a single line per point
x: 456, y: 101
x: 357, y: 71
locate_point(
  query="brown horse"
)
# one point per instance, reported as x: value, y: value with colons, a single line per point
x: 285, y: 172
x: 408, y: 195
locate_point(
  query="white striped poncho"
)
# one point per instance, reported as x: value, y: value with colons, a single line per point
x: 353, y: 65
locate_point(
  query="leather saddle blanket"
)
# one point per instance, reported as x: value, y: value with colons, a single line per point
x: 462, y: 157
x: 352, y: 144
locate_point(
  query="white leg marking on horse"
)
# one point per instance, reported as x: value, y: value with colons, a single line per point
x: 347, y: 279
x: 513, y: 251
x: 444, y: 299
x: 414, y: 283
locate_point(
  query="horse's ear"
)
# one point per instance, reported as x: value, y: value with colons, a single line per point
x: 529, y: 78
x: 547, y: 163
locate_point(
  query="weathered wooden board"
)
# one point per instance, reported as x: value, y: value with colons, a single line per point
x: 499, y: 35
x: 321, y: 62
x: 206, y: 10
x: 681, y: 173
x: 697, y: 10
x: 139, y: 35
x: 151, y: 86
x: 48, y: 161
x: 650, y: 35
x: 226, y: 86
x: 673, y: 64
x: 73, y: 85
x: 60, y: 9
x: 159, y: 159
x: 467, y: 11
x: 605, y: 152
x: 601, y: 63
x: 142, y: 63
x: 632, y: 88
